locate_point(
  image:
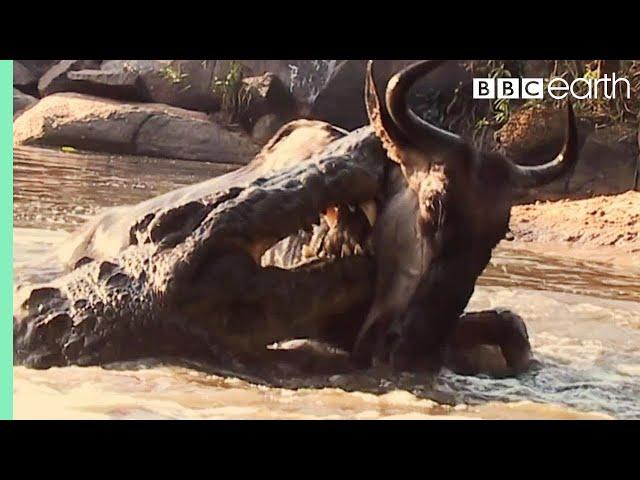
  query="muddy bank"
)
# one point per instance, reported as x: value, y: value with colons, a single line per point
x: 602, y: 228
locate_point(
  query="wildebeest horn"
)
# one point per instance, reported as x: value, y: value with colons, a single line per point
x: 417, y: 130
x: 535, y: 176
x: 380, y: 120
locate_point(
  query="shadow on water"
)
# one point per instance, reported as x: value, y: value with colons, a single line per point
x: 583, y: 317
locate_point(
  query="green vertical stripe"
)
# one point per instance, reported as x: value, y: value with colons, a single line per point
x: 6, y: 239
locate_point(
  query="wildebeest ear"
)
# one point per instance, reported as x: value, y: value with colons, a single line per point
x: 379, y: 118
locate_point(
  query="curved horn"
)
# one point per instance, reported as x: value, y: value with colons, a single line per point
x: 535, y: 176
x: 379, y: 118
x: 421, y: 132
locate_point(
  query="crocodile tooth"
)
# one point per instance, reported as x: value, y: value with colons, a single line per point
x: 331, y: 216
x: 307, y: 251
x: 370, y: 210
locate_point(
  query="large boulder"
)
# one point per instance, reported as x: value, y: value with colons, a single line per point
x: 56, y: 79
x: 21, y: 102
x: 340, y: 99
x: 38, y: 67
x: 91, y: 123
x: 116, y: 85
x: 607, y: 164
x: 265, y: 95
x: 24, y: 80
x: 181, y: 83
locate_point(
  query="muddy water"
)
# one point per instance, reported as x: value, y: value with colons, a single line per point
x: 583, y: 317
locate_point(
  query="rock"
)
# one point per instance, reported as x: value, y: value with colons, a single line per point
x: 181, y: 83
x: 23, y: 79
x: 56, y: 79
x: 38, y: 67
x: 265, y: 95
x: 193, y: 138
x: 21, y: 102
x: 341, y: 99
x: 118, y: 81
x: 92, y: 123
x: 138, y: 66
x: 607, y: 164
x: 123, y: 85
x: 266, y: 127
x: 283, y: 69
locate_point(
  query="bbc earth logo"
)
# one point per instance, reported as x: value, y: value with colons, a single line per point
x: 557, y: 88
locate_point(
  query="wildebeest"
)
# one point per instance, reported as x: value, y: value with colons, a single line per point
x: 447, y: 206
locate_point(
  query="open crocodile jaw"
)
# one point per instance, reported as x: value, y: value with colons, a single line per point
x: 191, y: 280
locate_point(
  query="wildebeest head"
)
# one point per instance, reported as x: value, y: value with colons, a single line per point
x: 413, y: 142
x: 442, y: 221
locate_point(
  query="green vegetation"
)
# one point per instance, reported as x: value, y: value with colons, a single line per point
x: 602, y: 110
x: 480, y: 120
x: 500, y: 109
x: 234, y: 93
x: 173, y: 74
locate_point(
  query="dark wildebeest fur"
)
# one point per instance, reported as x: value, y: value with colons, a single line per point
x: 447, y: 207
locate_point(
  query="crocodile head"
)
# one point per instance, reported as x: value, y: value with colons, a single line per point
x: 276, y: 250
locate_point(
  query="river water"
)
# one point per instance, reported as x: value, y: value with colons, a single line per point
x: 583, y: 318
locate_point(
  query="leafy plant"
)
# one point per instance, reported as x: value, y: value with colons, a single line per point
x: 500, y: 109
x: 173, y: 74
x: 233, y: 92
x: 605, y: 111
